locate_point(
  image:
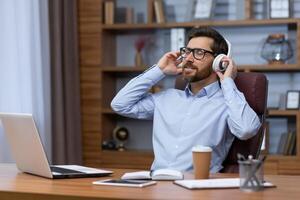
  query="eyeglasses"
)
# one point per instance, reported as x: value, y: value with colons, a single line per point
x: 198, y: 53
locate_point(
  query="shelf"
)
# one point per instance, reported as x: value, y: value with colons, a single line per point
x: 285, y: 113
x: 113, y: 69
x: 281, y: 157
x: 253, y: 68
x: 271, y: 112
x: 269, y: 68
x: 128, y: 153
x: 251, y: 22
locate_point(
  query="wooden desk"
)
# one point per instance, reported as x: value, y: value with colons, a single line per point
x: 16, y: 185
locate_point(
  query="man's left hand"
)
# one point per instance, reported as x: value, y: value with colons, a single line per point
x: 231, y: 70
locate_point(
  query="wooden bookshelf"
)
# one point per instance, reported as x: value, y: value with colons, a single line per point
x: 97, y: 48
x: 286, y: 164
x: 283, y: 113
x: 238, y: 23
x: 124, y: 69
x: 270, y: 68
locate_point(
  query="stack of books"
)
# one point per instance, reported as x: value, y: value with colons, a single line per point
x: 287, y: 143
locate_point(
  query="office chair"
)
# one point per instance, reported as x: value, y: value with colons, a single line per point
x: 254, y: 86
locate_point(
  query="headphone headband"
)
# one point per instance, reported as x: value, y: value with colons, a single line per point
x: 228, y: 47
x: 218, y: 65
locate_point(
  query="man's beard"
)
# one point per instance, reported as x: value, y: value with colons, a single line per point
x: 199, y: 75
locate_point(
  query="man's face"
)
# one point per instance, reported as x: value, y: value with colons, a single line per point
x: 195, y: 70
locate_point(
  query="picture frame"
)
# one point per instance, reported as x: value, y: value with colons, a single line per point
x: 293, y: 99
x: 279, y: 9
x: 203, y: 9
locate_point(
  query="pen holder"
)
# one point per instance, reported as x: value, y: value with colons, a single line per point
x: 251, y: 175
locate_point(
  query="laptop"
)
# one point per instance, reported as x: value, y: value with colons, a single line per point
x: 28, y: 152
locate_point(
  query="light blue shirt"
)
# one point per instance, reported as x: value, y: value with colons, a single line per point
x: 182, y: 119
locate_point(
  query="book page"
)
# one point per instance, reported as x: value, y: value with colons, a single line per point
x: 166, y: 174
x: 137, y: 175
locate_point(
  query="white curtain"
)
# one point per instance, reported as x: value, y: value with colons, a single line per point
x: 24, y: 66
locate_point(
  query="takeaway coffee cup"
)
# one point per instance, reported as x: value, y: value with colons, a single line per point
x: 201, y: 161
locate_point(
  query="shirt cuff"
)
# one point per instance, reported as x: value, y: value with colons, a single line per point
x: 154, y: 74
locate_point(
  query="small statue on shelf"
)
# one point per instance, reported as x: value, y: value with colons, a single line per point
x: 120, y: 135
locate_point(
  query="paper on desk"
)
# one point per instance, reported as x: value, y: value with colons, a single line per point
x: 214, y: 183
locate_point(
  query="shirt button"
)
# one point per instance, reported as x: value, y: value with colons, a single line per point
x: 176, y: 146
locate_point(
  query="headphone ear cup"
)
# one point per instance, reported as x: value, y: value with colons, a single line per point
x: 217, y: 63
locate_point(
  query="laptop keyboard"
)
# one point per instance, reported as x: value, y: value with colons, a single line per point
x: 63, y: 170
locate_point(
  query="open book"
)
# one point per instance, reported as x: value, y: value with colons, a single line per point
x: 160, y: 174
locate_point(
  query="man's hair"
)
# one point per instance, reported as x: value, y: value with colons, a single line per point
x: 219, y: 46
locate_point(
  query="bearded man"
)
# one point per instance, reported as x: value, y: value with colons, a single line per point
x: 210, y: 111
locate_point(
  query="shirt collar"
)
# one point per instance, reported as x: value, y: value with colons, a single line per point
x: 208, y: 90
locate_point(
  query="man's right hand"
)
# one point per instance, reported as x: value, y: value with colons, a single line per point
x: 167, y: 63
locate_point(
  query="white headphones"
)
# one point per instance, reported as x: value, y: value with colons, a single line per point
x: 218, y: 65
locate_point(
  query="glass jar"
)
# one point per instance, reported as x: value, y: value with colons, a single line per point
x: 251, y: 175
x: 276, y: 49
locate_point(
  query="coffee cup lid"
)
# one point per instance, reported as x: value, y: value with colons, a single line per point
x: 200, y: 148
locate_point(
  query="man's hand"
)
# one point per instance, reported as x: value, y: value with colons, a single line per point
x: 231, y: 70
x: 167, y: 63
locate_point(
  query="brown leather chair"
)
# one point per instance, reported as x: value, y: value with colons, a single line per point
x: 254, y: 86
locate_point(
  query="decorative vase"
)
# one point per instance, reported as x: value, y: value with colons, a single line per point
x: 138, y: 59
x: 277, y: 49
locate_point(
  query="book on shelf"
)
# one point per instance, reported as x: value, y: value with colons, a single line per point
x: 190, y: 9
x: 120, y: 16
x: 292, y: 143
x: 129, y: 15
x: 159, y: 11
x: 160, y: 174
x: 282, y: 141
x: 170, y: 13
x: 177, y: 38
x: 287, y: 143
x: 109, y: 12
x: 124, y: 15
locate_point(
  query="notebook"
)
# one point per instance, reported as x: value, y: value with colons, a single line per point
x: 214, y: 183
x: 28, y: 152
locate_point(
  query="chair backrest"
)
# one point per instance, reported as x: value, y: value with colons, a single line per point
x: 254, y: 86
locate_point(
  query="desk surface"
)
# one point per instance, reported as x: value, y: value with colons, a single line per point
x: 17, y: 185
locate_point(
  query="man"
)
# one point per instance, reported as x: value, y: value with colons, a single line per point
x: 210, y: 111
